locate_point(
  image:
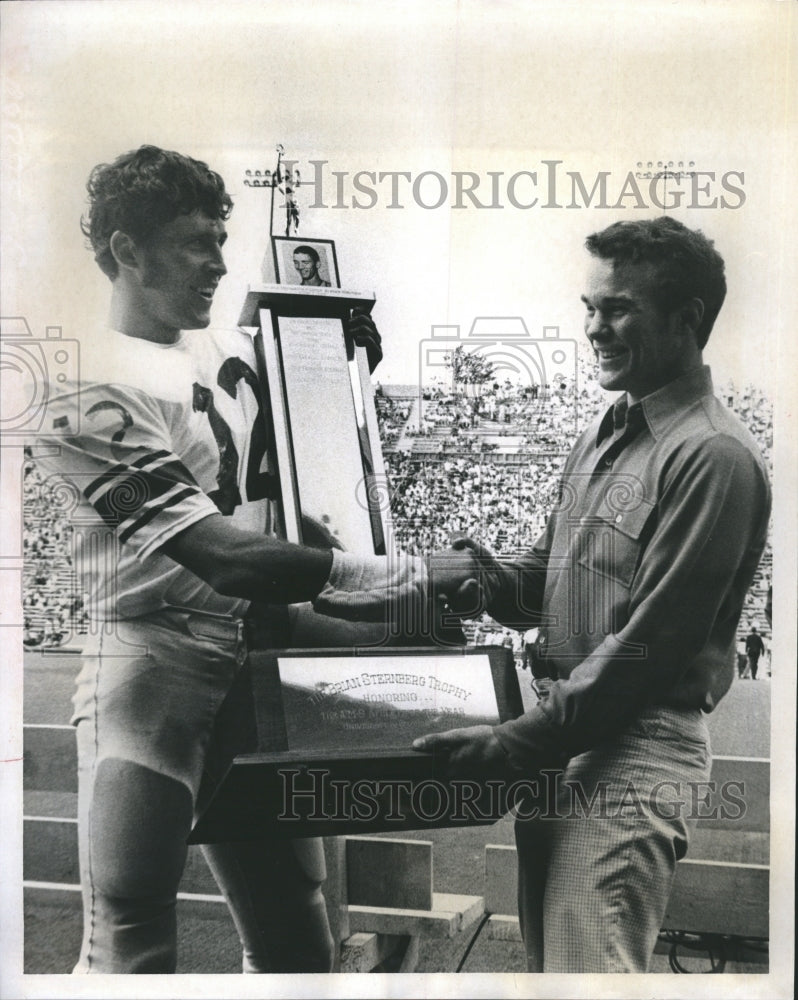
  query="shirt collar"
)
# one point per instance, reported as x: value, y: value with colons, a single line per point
x: 659, y: 408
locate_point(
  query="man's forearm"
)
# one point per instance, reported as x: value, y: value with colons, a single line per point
x: 280, y: 572
x: 258, y: 568
x: 255, y: 567
x: 473, y: 580
x: 517, y: 597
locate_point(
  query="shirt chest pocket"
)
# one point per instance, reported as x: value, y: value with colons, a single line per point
x: 611, y: 544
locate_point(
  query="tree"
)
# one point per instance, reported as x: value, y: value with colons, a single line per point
x: 469, y: 369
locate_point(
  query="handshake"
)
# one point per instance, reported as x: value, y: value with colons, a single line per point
x: 463, y: 580
x: 416, y: 597
x: 466, y: 578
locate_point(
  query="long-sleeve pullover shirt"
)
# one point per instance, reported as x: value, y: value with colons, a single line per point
x: 639, y: 579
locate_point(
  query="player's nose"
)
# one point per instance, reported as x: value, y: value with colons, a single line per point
x: 217, y: 265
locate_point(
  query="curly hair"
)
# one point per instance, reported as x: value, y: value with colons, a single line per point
x: 144, y: 189
x: 688, y: 265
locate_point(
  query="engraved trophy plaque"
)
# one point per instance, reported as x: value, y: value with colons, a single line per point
x: 345, y: 723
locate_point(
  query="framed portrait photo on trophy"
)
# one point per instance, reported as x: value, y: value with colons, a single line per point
x: 309, y: 263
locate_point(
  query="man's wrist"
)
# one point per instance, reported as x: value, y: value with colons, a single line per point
x: 369, y: 588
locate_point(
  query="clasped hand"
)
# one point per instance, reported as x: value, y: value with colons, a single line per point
x: 466, y: 577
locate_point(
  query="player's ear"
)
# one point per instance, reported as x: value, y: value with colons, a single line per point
x: 124, y: 249
x: 691, y: 314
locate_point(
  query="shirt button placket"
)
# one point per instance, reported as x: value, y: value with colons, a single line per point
x: 241, y: 649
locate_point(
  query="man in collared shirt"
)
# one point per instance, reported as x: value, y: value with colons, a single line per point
x: 637, y: 584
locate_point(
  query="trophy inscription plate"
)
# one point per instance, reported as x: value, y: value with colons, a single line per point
x: 345, y: 723
x: 350, y: 703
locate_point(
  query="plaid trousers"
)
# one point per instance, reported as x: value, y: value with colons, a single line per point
x: 596, y: 863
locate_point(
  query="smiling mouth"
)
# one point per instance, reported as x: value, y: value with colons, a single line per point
x: 610, y: 355
x: 206, y: 293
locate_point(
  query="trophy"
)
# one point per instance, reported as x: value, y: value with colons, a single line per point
x: 333, y: 727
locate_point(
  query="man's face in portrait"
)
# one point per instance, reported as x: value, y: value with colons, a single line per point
x: 306, y: 266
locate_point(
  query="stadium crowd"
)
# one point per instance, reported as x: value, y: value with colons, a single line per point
x: 470, y: 483
x: 392, y: 417
x: 541, y: 418
x: 502, y: 506
x: 52, y: 606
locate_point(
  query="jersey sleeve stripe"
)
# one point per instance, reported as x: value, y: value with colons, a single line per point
x: 152, y: 512
x: 124, y: 498
x: 105, y: 478
x: 174, y: 470
x: 140, y: 463
x: 153, y: 456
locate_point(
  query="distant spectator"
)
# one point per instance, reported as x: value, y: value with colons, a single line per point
x: 754, y: 648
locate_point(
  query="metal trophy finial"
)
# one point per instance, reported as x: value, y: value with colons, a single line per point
x: 286, y: 180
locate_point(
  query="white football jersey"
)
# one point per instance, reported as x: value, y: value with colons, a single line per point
x: 150, y: 439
